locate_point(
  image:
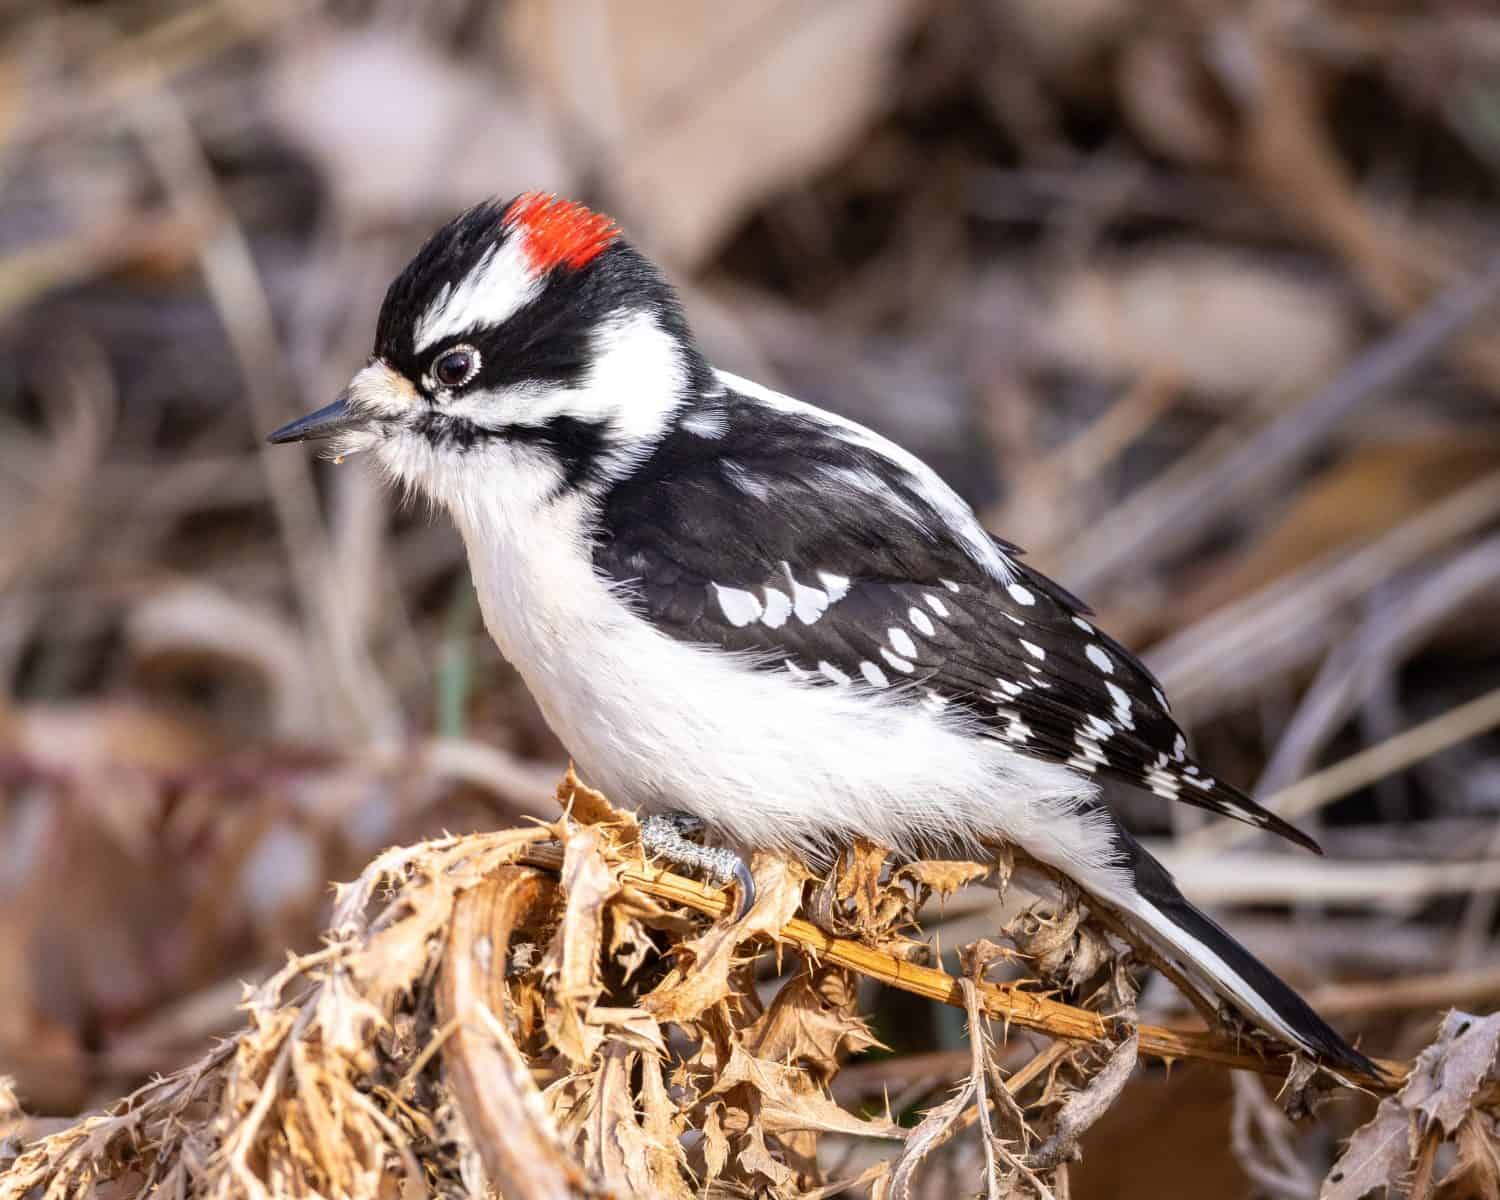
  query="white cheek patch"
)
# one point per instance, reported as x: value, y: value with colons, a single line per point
x: 498, y: 287
x: 635, y: 386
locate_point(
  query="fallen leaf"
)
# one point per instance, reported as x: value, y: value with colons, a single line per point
x: 1447, y: 1073
x: 1221, y: 322
x: 1378, y: 1155
x: 673, y: 94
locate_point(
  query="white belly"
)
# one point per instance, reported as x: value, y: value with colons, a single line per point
x: 768, y: 762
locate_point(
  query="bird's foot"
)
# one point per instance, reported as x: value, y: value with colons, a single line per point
x: 667, y: 835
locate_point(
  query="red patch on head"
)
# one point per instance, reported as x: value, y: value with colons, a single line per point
x: 559, y: 233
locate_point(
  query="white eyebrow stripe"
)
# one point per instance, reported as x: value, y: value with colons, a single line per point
x: 498, y: 287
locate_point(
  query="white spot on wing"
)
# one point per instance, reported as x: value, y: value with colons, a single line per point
x: 1017, y: 732
x: 874, y: 676
x: 1034, y: 650
x: 1095, y: 654
x: 949, y: 584
x: 837, y: 586
x: 1021, y: 595
x: 935, y: 603
x: 921, y: 622
x: 896, y: 661
x: 1083, y: 625
x: 901, y: 642
x: 807, y: 602
x: 738, y: 606
x: 833, y: 673
x: 778, y: 608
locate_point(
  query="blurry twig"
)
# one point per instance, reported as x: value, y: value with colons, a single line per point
x: 233, y: 280
x: 1359, y: 770
x: 1390, y: 633
x: 1277, y: 878
x: 1473, y: 989
x: 1290, y: 621
x: 1154, y: 526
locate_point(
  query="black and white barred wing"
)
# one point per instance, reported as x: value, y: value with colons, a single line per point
x: 788, y: 562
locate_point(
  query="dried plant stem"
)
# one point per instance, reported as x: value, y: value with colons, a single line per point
x: 507, y: 1120
x: 1009, y: 1003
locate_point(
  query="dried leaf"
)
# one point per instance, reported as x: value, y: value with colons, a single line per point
x: 943, y: 877
x: 662, y: 1125
x: 1377, y: 1156
x: 348, y: 1021
x: 1476, y: 1173
x: 858, y: 878
x: 805, y: 1026
x: 789, y: 1099
x: 1447, y: 1073
x: 715, y: 1141
x: 615, y: 1145
x: 630, y: 1026
x: 679, y: 167
x: 757, y: 1159
x: 588, y: 807
x: 701, y: 977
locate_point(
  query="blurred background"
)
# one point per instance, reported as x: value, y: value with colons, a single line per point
x: 1193, y: 298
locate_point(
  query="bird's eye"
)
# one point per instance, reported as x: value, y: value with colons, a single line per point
x: 454, y: 368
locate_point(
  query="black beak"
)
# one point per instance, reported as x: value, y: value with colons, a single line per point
x: 325, y: 423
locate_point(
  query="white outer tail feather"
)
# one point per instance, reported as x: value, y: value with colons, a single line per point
x: 1202, y: 963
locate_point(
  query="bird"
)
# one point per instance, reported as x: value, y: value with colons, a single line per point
x: 761, y: 624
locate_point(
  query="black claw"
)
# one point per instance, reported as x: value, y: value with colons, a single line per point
x: 746, y: 883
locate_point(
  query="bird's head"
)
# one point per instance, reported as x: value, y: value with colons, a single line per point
x: 527, y: 346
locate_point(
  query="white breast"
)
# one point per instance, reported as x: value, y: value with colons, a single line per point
x: 766, y: 760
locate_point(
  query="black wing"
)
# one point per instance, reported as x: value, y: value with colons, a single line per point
x: 791, y: 539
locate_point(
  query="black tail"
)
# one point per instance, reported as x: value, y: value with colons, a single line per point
x: 1194, y: 939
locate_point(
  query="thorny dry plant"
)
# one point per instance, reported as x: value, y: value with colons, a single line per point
x: 538, y: 1011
